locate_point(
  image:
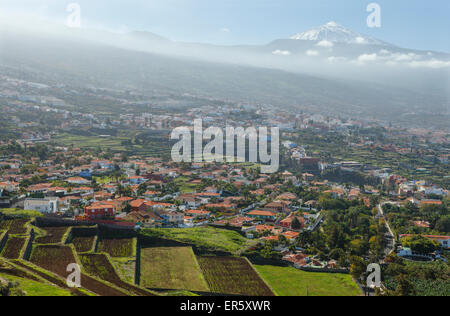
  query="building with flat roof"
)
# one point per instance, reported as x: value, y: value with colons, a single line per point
x: 47, y: 205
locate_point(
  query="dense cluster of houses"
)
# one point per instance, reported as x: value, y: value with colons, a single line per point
x: 149, y: 192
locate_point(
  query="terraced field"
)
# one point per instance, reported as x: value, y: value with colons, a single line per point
x: 171, y: 268
x: 83, y: 244
x: 98, y: 265
x: 117, y: 247
x: 53, y: 235
x: 214, y: 239
x: 15, y: 226
x: 229, y: 275
x: 56, y: 259
x: 53, y: 258
x: 13, y: 247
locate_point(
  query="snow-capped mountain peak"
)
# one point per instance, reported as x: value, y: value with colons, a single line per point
x: 333, y: 32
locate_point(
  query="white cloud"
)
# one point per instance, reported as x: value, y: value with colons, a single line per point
x: 405, y: 57
x: 281, y: 52
x: 367, y: 58
x: 225, y: 30
x: 402, y: 59
x: 360, y: 40
x: 335, y: 59
x: 433, y: 63
x: 325, y: 44
x: 311, y: 52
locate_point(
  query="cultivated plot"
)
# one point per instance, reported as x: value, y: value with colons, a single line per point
x: 171, y: 268
x: 229, y: 275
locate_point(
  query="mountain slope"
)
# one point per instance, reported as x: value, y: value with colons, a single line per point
x: 77, y: 63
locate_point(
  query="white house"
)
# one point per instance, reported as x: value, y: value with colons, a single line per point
x: 46, y: 205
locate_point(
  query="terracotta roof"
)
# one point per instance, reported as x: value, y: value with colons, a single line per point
x: 261, y: 213
x: 137, y: 203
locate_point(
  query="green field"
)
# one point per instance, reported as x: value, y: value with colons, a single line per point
x: 156, y: 148
x: 206, y: 237
x: 184, y: 186
x: 288, y: 281
x: 171, y: 268
x: 90, y: 142
x: 20, y: 213
x: 33, y: 288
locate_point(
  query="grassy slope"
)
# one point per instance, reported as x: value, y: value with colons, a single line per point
x: 208, y: 237
x: 287, y: 281
x: 33, y: 288
x: 125, y: 267
x: 19, y: 212
x: 171, y: 268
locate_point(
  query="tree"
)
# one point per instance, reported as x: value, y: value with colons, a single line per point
x: 337, y: 254
x: 359, y: 247
x: 304, y: 239
x: 296, y: 223
x: 142, y: 189
x: 357, y: 267
x: 268, y: 253
x: 443, y: 225
x: 282, y: 240
x: 421, y: 245
x: 404, y: 287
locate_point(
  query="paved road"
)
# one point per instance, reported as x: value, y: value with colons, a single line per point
x: 390, y: 237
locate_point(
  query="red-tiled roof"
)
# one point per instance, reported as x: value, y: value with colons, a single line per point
x: 261, y: 213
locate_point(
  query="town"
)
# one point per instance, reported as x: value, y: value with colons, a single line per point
x: 348, y: 190
x: 229, y: 153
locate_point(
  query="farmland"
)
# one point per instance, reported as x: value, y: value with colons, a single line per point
x: 156, y: 145
x: 53, y: 235
x: 15, y: 226
x: 288, y: 281
x: 117, y: 247
x: 84, y: 238
x: 83, y: 244
x: 110, y: 271
x: 206, y: 237
x: 13, y: 247
x: 230, y: 275
x: 53, y: 258
x: 57, y: 258
x: 171, y: 268
x: 98, y: 265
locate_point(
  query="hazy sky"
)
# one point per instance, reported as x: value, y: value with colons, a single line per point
x: 416, y: 24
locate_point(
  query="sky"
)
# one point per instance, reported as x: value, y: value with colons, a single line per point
x: 416, y: 24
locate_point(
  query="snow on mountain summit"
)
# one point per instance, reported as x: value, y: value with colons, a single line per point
x: 333, y: 32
